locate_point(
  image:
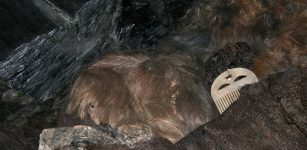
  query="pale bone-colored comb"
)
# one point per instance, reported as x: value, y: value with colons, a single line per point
x: 225, y: 88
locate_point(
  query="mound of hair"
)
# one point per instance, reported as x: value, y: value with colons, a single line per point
x: 102, y: 95
x: 164, y: 93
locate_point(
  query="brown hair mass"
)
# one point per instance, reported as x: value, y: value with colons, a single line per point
x: 288, y: 47
x: 164, y: 93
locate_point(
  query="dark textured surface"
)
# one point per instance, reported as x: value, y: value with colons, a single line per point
x: 170, y: 11
x: 20, y: 22
x: 46, y: 65
x: 50, y: 61
x: 231, y: 56
x: 23, y: 119
x: 71, y: 6
x: 259, y: 119
x: 140, y: 25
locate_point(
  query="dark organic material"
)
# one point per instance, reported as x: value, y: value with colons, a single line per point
x: 231, y: 56
x: 268, y: 115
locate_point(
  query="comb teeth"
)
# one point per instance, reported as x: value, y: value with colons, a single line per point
x: 225, y: 88
x: 224, y: 102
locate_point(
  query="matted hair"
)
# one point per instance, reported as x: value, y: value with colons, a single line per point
x: 164, y: 93
x: 288, y: 48
x: 104, y: 89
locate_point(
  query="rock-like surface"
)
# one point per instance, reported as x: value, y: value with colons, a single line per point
x: 50, y: 61
x: 69, y: 137
x: 71, y: 6
x: 21, y: 21
x: 45, y: 65
x: 84, y: 136
x: 22, y: 118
